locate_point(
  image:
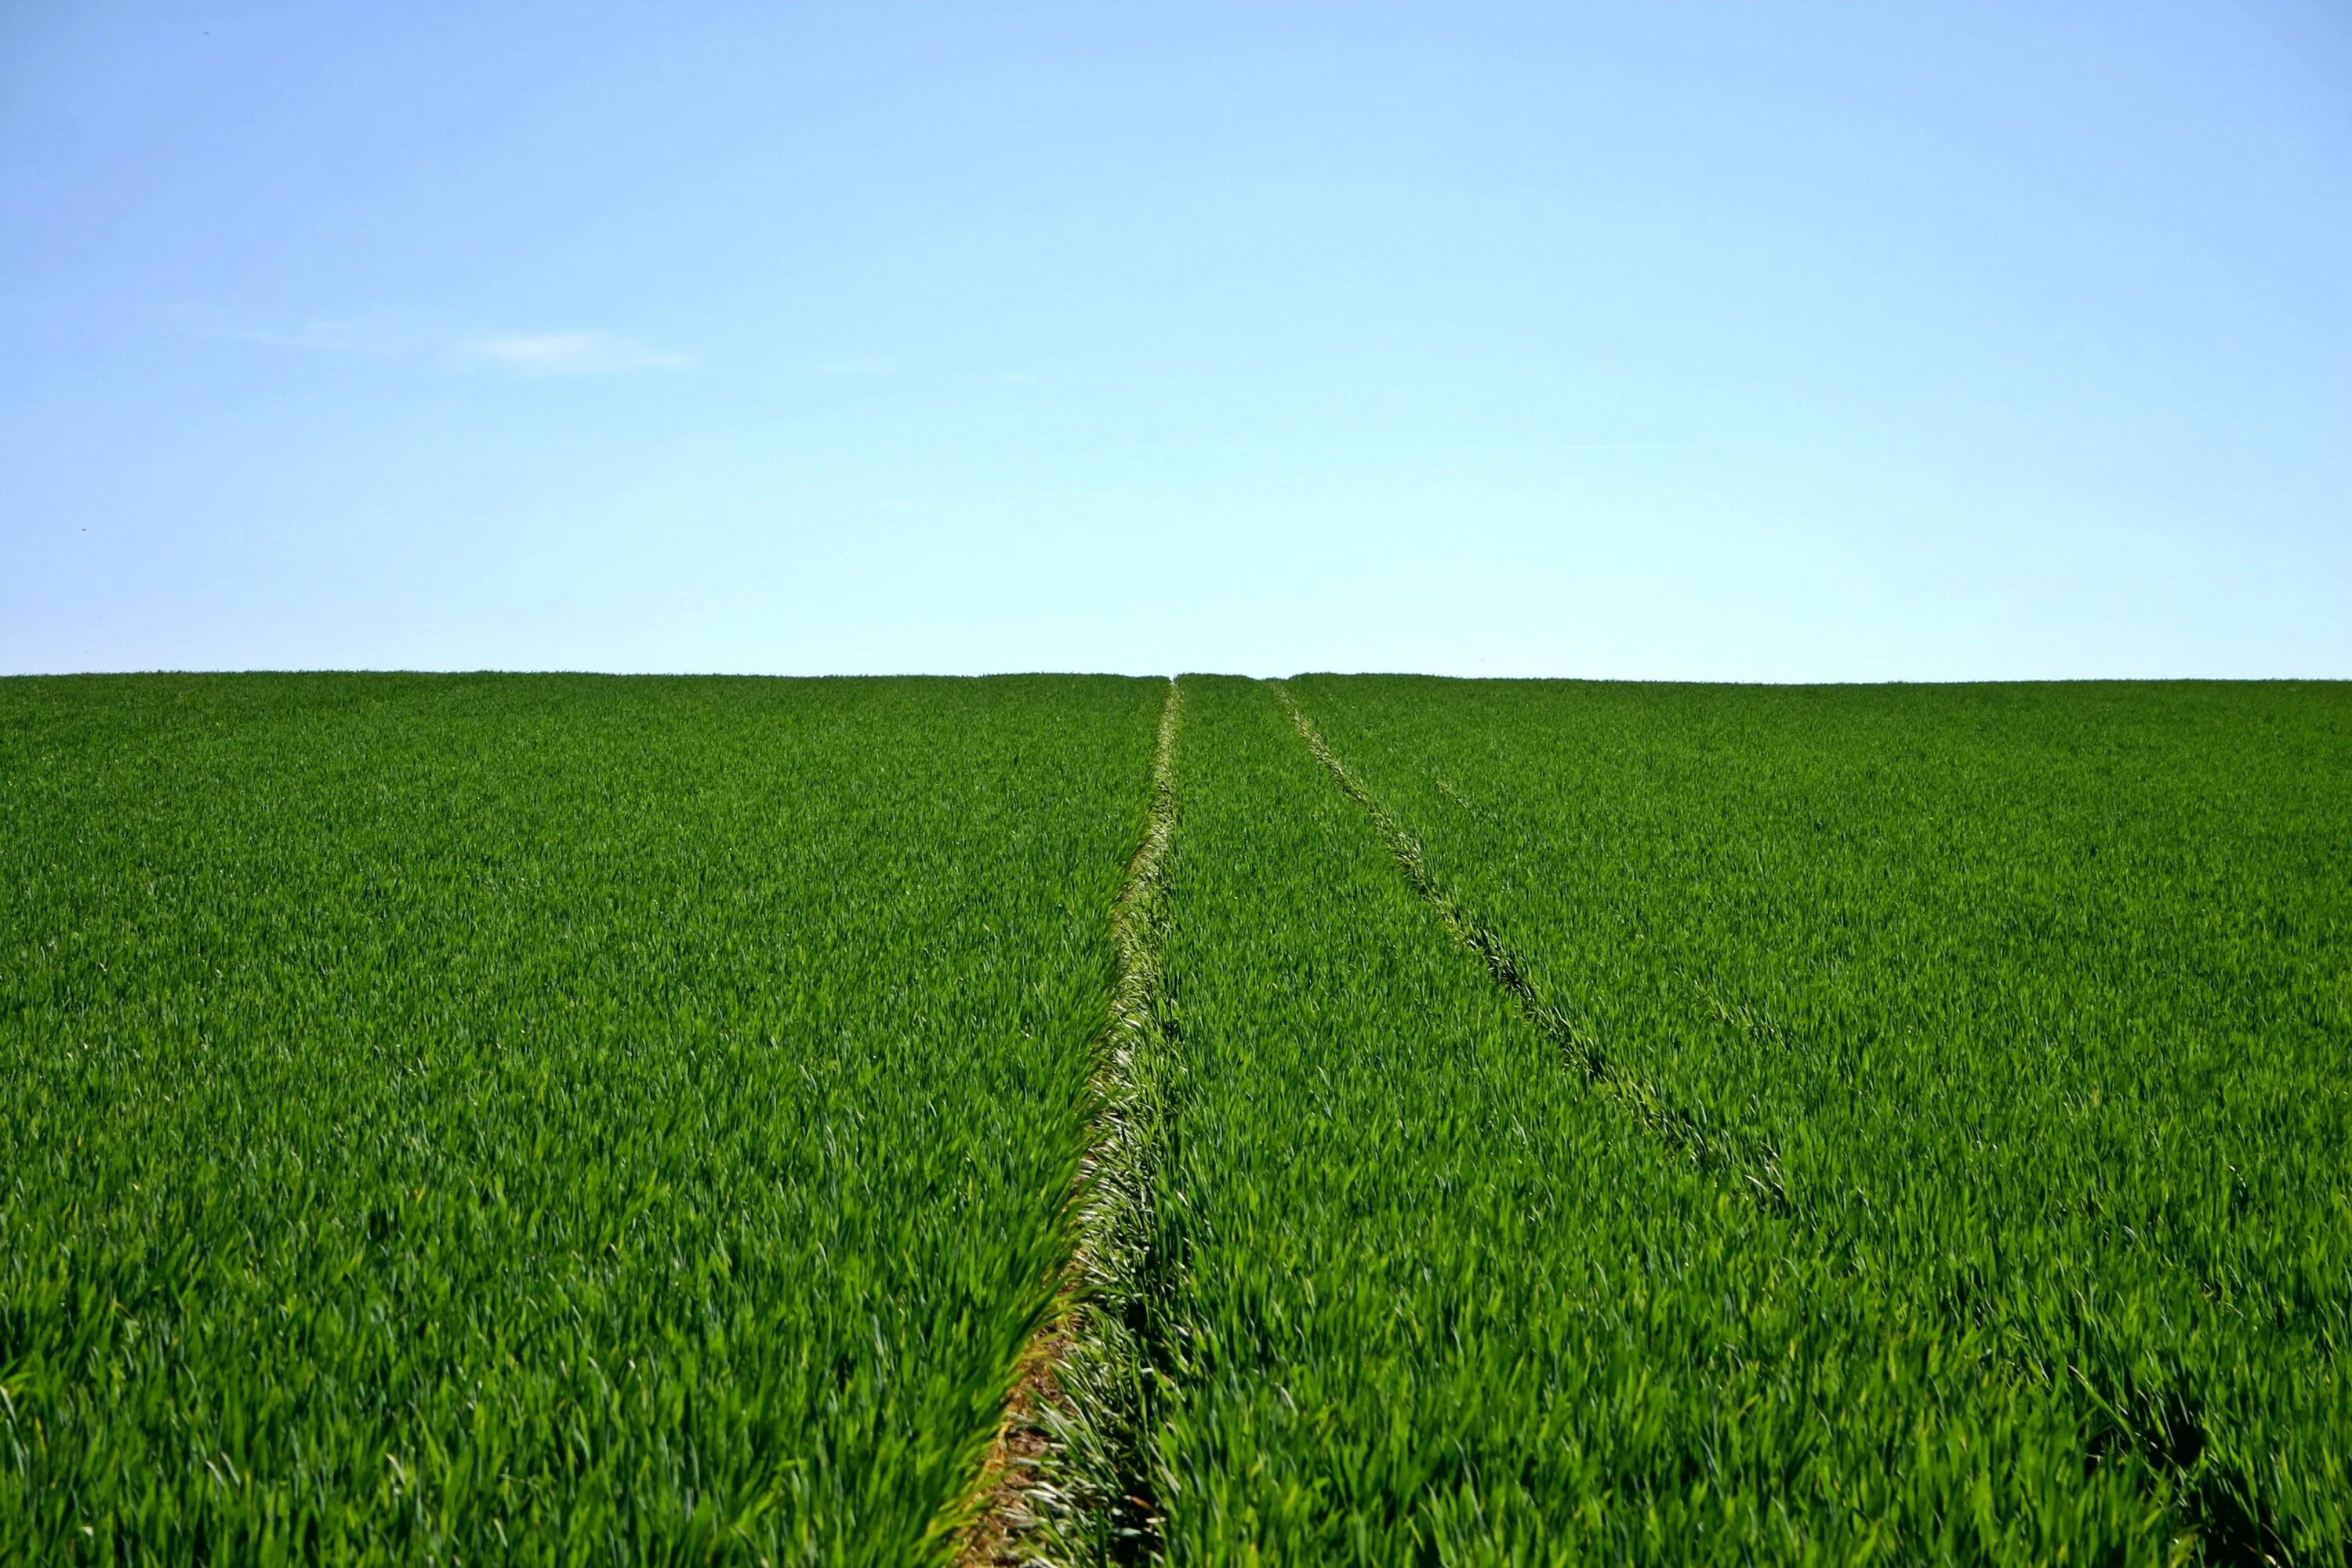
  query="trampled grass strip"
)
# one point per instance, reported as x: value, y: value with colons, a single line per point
x: 1064, y: 1480
x: 1755, y: 1165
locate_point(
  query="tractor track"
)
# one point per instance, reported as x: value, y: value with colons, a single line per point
x: 1063, y: 1480
x: 1711, y: 1146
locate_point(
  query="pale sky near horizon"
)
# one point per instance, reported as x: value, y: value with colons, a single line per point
x: 1773, y: 342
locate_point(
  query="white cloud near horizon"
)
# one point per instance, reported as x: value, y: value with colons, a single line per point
x: 573, y: 353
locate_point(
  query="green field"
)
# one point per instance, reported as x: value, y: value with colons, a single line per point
x: 1385, y: 1120
x: 585, y: 1120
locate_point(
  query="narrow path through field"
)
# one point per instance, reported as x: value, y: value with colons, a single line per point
x: 1059, y: 1481
x: 1755, y: 1165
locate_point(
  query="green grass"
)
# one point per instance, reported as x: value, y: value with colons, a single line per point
x: 537, y: 1118
x: 2019, y: 1012
x: 621, y: 1120
x: 1434, y: 1298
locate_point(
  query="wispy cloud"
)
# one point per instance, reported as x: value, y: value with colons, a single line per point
x: 339, y: 336
x: 573, y: 353
x: 576, y: 352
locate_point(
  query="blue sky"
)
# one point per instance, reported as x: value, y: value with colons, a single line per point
x: 1767, y: 342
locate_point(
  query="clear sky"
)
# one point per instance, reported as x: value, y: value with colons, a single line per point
x: 1766, y: 341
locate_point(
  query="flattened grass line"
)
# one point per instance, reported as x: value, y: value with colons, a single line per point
x: 1709, y: 1146
x: 1582, y: 1050
x: 1063, y: 1481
